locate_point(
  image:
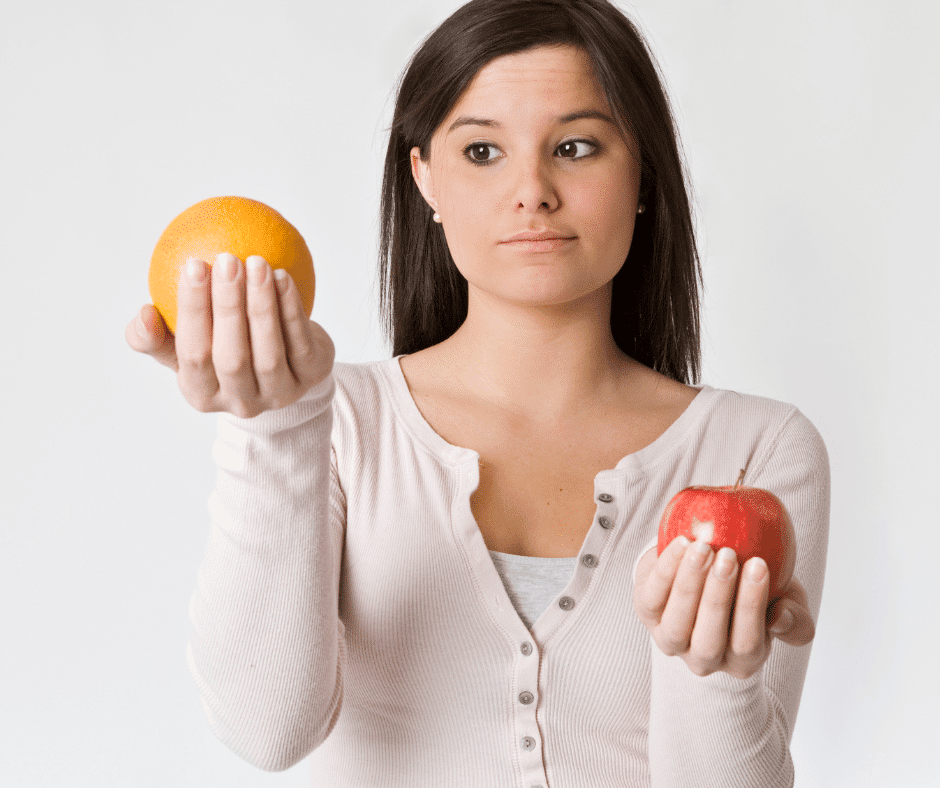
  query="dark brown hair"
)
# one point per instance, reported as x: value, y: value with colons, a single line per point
x: 655, y: 302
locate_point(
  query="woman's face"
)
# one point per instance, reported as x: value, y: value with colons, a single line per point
x: 509, y: 158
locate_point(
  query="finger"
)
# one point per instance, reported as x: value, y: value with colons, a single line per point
x: 712, y: 621
x: 678, y: 619
x: 147, y: 333
x: 276, y: 383
x: 309, y: 349
x: 231, y: 346
x: 197, y: 378
x: 644, y: 566
x: 791, y: 622
x: 651, y: 592
x: 749, y: 637
x: 802, y: 629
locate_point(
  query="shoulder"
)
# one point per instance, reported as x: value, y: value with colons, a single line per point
x: 765, y: 412
x: 782, y: 435
x: 362, y: 388
x: 747, y: 411
x: 371, y: 397
x: 352, y: 378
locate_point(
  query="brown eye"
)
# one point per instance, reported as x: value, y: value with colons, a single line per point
x: 570, y: 147
x: 476, y: 153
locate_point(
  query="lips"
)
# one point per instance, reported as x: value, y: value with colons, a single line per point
x: 545, y: 245
x: 539, y: 235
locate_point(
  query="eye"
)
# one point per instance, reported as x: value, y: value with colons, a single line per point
x: 567, y: 147
x: 570, y: 145
x: 477, y: 147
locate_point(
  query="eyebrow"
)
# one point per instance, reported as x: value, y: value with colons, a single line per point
x: 465, y: 120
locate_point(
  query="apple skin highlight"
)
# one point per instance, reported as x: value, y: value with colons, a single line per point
x: 749, y: 520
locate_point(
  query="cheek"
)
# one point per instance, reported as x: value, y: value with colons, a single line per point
x: 467, y: 231
x: 607, y: 214
x: 471, y: 210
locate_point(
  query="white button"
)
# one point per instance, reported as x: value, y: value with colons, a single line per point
x: 525, y: 698
x: 566, y: 603
x: 589, y: 560
x: 526, y: 648
x: 528, y: 743
x: 605, y: 522
x: 605, y: 497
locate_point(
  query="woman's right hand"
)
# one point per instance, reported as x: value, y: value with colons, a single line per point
x: 240, y: 347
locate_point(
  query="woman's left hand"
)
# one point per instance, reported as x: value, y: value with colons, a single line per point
x: 690, y: 608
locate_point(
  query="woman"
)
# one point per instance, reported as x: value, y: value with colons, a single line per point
x: 440, y: 569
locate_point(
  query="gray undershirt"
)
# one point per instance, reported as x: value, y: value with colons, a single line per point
x: 532, y: 582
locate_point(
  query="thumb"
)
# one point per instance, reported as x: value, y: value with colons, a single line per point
x: 791, y: 622
x: 148, y: 333
x: 644, y: 564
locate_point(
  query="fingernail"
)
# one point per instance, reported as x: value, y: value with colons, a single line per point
x: 701, y: 552
x: 724, y: 562
x: 256, y: 272
x: 683, y: 542
x: 228, y: 265
x: 196, y: 271
x: 141, y: 327
x: 280, y: 279
x: 756, y: 570
x: 783, y: 623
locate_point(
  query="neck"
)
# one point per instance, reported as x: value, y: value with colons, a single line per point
x: 542, y: 366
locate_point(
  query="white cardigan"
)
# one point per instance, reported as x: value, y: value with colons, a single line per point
x: 348, y: 610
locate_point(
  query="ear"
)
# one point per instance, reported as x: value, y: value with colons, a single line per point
x: 421, y: 171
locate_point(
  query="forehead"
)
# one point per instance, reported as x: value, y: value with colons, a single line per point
x: 552, y: 80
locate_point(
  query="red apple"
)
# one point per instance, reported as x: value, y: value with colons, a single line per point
x: 749, y: 520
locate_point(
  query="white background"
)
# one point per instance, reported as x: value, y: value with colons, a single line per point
x: 811, y: 129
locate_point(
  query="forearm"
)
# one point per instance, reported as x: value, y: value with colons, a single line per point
x: 266, y: 642
x: 715, y: 730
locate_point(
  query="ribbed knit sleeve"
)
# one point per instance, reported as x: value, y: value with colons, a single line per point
x: 267, y: 647
x: 719, y: 730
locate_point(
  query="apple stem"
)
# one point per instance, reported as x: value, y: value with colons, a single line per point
x: 740, y: 478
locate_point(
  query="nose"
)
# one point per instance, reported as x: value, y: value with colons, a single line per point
x: 534, y: 187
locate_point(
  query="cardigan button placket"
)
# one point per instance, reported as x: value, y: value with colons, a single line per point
x: 526, y: 725
x: 606, y: 517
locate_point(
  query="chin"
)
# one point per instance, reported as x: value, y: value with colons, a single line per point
x: 546, y: 293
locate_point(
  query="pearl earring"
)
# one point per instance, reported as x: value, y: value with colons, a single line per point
x: 437, y: 218
x: 640, y: 208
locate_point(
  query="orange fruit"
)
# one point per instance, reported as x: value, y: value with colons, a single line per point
x: 236, y: 225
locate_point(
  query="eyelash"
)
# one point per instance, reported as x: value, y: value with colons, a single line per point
x: 478, y: 163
